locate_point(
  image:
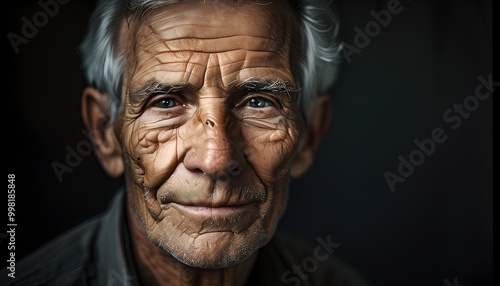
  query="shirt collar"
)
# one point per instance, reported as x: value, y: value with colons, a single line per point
x: 115, y: 264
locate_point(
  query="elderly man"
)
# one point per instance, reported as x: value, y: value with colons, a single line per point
x: 208, y: 109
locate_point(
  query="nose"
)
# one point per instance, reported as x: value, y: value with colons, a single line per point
x: 213, y: 150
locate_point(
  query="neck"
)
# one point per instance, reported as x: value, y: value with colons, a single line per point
x: 156, y: 267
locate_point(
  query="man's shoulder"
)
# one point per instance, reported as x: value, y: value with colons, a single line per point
x: 303, y: 263
x: 61, y: 261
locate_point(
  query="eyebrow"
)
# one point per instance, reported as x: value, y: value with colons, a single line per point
x: 154, y: 87
x: 258, y: 84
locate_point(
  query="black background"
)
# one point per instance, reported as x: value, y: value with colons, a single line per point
x: 435, y: 226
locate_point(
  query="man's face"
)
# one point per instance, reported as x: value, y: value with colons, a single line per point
x: 210, y: 128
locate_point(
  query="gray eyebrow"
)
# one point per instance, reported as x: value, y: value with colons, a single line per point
x: 257, y: 84
x: 154, y: 87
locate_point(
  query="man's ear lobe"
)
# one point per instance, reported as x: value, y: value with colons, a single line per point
x: 315, y: 130
x: 96, y: 116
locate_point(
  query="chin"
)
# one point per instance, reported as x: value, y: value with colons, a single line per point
x: 215, y: 250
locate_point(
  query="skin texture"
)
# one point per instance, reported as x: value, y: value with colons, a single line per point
x: 208, y: 137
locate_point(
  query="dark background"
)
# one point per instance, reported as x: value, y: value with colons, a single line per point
x: 436, y: 227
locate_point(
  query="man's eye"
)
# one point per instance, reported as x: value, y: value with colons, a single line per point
x: 166, y: 103
x: 258, y: 102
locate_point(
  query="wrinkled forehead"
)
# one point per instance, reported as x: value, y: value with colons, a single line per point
x: 216, y: 20
x: 247, y: 17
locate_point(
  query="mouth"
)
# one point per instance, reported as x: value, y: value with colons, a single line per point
x: 207, y: 211
x: 211, y: 205
x: 215, y: 202
x: 225, y: 218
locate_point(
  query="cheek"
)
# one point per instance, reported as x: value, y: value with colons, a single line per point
x: 270, y: 146
x: 151, y: 152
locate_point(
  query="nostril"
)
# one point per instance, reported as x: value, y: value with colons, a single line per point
x: 210, y: 123
x: 234, y: 167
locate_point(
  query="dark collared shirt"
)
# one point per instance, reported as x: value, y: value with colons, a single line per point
x: 97, y: 252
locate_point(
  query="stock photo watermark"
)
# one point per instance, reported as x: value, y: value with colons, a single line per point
x: 455, y: 282
x: 30, y: 28
x: 11, y: 225
x: 372, y: 29
x: 453, y: 117
x: 322, y: 252
x: 74, y: 157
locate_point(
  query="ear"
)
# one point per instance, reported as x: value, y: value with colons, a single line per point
x: 96, y: 116
x: 315, y: 130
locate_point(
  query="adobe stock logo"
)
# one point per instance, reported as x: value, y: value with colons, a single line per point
x: 453, y: 116
x: 30, y: 28
x: 74, y: 156
x: 321, y: 253
x: 372, y: 29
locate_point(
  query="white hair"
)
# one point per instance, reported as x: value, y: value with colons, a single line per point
x: 315, y: 68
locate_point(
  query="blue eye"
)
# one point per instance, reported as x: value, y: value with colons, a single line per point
x: 258, y: 102
x: 166, y: 103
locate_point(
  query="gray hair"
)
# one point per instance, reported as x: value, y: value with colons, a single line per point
x: 315, y: 69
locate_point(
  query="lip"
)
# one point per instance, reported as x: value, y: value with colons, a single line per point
x: 203, y: 211
x: 206, y: 219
